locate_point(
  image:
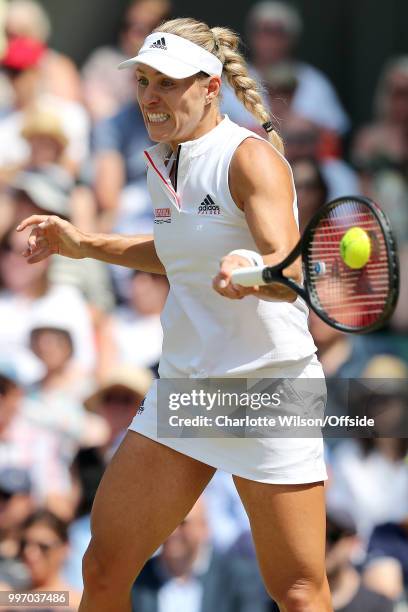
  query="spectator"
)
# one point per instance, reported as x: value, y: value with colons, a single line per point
x: 370, y: 476
x: 46, y: 136
x: 44, y: 189
x: 134, y: 334
x: 16, y: 503
x: 59, y: 75
x: 188, y: 575
x: 51, y: 341
x: 106, y: 89
x: 370, y: 480
x: 26, y: 294
x: 384, y: 143
x: 43, y: 549
x: 49, y: 191
x: 21, y: 62
x: 380, y: 153
x: 55, y: 402
x: 349, y: 594
x: 27, y: 447
x: 117, y: 399
x: 47, y: 142
x: 302, y: 139
x: 386, y: 565
x: 280, y: 83
x: 311, y: 188
x: 47, y: 139
x: 273, y: 29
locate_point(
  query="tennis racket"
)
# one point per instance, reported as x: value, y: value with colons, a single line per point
x: 349, y: 299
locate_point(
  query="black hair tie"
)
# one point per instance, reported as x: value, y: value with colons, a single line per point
x: 268, y: 126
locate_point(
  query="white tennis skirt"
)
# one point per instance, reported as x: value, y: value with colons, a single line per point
x: 275, y: 460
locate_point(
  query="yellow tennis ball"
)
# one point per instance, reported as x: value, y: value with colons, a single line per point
x: 355, y: 247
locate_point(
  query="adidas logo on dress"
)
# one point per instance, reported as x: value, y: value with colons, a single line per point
x: 208, y: 207
x: 159, y: 44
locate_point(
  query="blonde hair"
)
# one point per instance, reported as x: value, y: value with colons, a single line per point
x: 276, y: 12
x: 31, y: 19
x: 224, y: 43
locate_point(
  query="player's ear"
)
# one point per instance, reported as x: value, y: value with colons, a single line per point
x: 213, y: 89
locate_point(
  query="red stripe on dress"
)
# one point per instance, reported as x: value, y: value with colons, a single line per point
x: 162, y: 177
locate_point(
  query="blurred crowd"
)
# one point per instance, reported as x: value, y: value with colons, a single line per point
x: 80, y: 341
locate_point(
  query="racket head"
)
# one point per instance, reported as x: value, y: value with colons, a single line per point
x: 351, y: 300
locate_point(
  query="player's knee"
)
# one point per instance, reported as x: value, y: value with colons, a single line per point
x: 298, y: 600
x: 102, y: 573
x: 301, y: 596
x: 94, y: 570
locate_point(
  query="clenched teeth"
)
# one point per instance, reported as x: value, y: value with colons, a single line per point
x: 157, y: 117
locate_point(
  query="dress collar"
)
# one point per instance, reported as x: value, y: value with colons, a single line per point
x: 199, y: 146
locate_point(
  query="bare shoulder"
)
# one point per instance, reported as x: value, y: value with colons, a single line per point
x: 255, y: 166
x: 255, y: 153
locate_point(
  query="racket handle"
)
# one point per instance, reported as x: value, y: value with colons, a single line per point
x: 248, y: 277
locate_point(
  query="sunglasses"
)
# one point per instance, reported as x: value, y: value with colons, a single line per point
x: 44, y: 547
x: 270, y: 29
x: 12, y: 73
x: 308, y: 184
x: 5, y: 385
x: 5, y: 496
x: 399, y: 92
x: 334, y: 534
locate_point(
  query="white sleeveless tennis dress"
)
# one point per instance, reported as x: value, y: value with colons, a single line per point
x: 206, y: 335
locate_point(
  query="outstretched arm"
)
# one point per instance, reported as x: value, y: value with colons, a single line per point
x: 136, y: 252
x: 52, y: 235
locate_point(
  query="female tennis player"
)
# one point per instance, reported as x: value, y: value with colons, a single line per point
x: 216, y: 188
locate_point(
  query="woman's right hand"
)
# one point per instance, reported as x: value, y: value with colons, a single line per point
x: 51, y: 235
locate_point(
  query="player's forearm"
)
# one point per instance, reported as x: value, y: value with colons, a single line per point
x: 136, y: 252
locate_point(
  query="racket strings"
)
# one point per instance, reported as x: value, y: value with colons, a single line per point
x: 353, y: 297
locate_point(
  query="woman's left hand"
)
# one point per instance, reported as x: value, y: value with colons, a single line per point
x: 222, y: 282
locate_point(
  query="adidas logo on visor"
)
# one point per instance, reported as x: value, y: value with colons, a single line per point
x: 159, y: 44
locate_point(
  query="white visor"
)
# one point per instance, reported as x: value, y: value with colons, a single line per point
x: 174, y: 56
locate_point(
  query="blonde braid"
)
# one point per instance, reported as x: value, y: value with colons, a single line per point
x: 224, y: 43
x: 245, y: 87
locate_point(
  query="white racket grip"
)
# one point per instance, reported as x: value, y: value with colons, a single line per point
x: 248, y: 277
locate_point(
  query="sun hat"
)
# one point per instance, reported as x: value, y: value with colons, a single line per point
x: 44, y: 123
x: 14, y: 480
x: 137, y: 380
x: 175, y: 56
x: 48, y: 189
x: 9, y: 372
